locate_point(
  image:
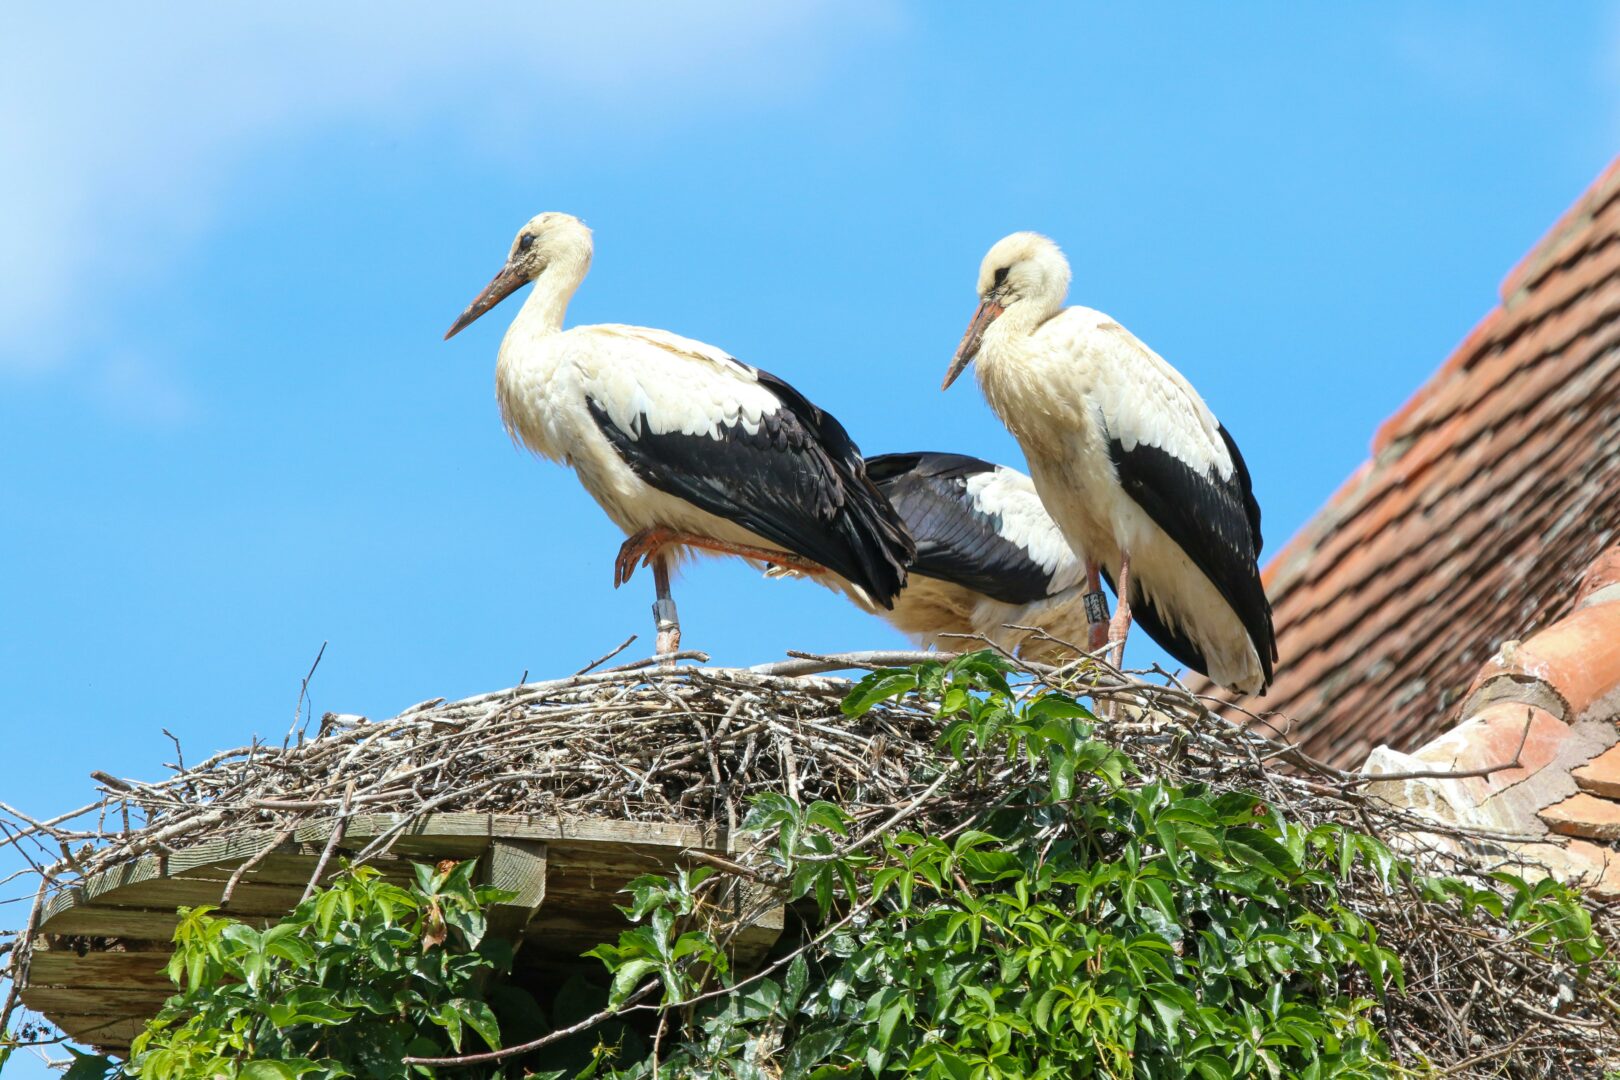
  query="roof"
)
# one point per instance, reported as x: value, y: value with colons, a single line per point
x: 1486, y: 497
x: 1536, y: 756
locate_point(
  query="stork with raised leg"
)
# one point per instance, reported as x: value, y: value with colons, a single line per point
x: 685, y: 448
x: 1129, y: 461
x: 991, y: 562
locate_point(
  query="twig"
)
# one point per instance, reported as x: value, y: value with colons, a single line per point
x: 179, y: 755
x: 544, y: 1040
x: 804, y: 663
x: 1357, y: 779
x: 303, y: 695
x: 600, y: 660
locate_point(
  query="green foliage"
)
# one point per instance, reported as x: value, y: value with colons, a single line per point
x: 1089, y: 921
x: 359, y: 976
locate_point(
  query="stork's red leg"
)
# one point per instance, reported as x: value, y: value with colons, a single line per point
x: 1096, y: 616
x: 647, y: 544
x: 664, y: 617
x: 1121, y: 624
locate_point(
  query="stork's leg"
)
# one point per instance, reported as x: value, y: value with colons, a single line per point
x: 1096, y: 608
x: 648, y: 543
x: 664, y: 617
x: 1121, y: 625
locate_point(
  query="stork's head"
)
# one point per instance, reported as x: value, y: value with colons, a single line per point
x: 1024, y: 272
x: 552, y: 242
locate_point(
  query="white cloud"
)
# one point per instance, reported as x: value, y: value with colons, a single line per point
x: 120, y: 124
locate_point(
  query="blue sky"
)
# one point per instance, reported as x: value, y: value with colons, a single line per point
x: 231, y: 240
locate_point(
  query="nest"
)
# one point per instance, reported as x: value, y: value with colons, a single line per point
x: 691, y: 744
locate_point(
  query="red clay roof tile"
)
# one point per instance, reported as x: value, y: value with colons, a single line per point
x: 1586, y: 816
x: 1601, y: 775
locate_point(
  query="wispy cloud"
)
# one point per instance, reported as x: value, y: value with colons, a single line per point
x: 120, y: 126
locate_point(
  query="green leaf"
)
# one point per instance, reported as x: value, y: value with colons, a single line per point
x: 877, y: 687
x: 1254, y: 848
x: 267, y: 1070
x: 793, y: 987
x: 480, y: 1018
x: 628, y: 977
x: 85, y: 1066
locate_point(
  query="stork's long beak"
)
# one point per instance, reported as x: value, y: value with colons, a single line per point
x: 987, y: 313
x: 504, y: 284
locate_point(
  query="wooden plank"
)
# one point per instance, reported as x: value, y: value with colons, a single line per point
x: 231, y: 849
x: 250, y: 898
x: 293, y: 868
x: 105, y: 1002
x: 526, y: 827
x: 111, y: 1034
x: 518, y: 866
x: 160, y: 892
x: 103, y: 970
x: 134, y: 923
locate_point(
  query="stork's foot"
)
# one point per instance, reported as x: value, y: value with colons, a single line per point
x: 643, y: 547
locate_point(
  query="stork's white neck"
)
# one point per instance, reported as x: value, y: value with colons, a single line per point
x: 1024, y: 316
x: 543, y: 312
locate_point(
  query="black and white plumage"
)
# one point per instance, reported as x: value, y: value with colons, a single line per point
x: 1129, y: 461
x: 989, y: 559
x: 682, y: 445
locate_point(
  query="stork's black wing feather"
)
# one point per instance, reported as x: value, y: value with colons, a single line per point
x: 1215, y: 521
x: 956, y: 540
x: 1240, y: 470
x: 798, y: 481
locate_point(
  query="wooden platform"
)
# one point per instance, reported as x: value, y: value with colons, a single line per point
x: 99, y: 953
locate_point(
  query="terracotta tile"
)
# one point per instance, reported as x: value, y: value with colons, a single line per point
x: 1603, y: 572
x: 1578, y: 657
x: 1584, y: 815
x: 1601, y: 775
x: 1497, y: 735
x: 1396, y: 426
x: 1602, y: 191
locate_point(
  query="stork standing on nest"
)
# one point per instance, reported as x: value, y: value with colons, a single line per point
x: 1129, y: 461
x: 683, y: 446
x: 990, y: 561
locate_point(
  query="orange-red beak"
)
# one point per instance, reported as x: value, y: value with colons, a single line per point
x: 504, y: 284
x: 987, y: 313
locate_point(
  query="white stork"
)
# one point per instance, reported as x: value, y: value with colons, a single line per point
x: 989, y: 559
x: 683, y: 446
x: 1129, y: 461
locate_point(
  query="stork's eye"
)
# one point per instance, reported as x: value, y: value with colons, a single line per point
x: 1001, y: 276
x: 525, y: 242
